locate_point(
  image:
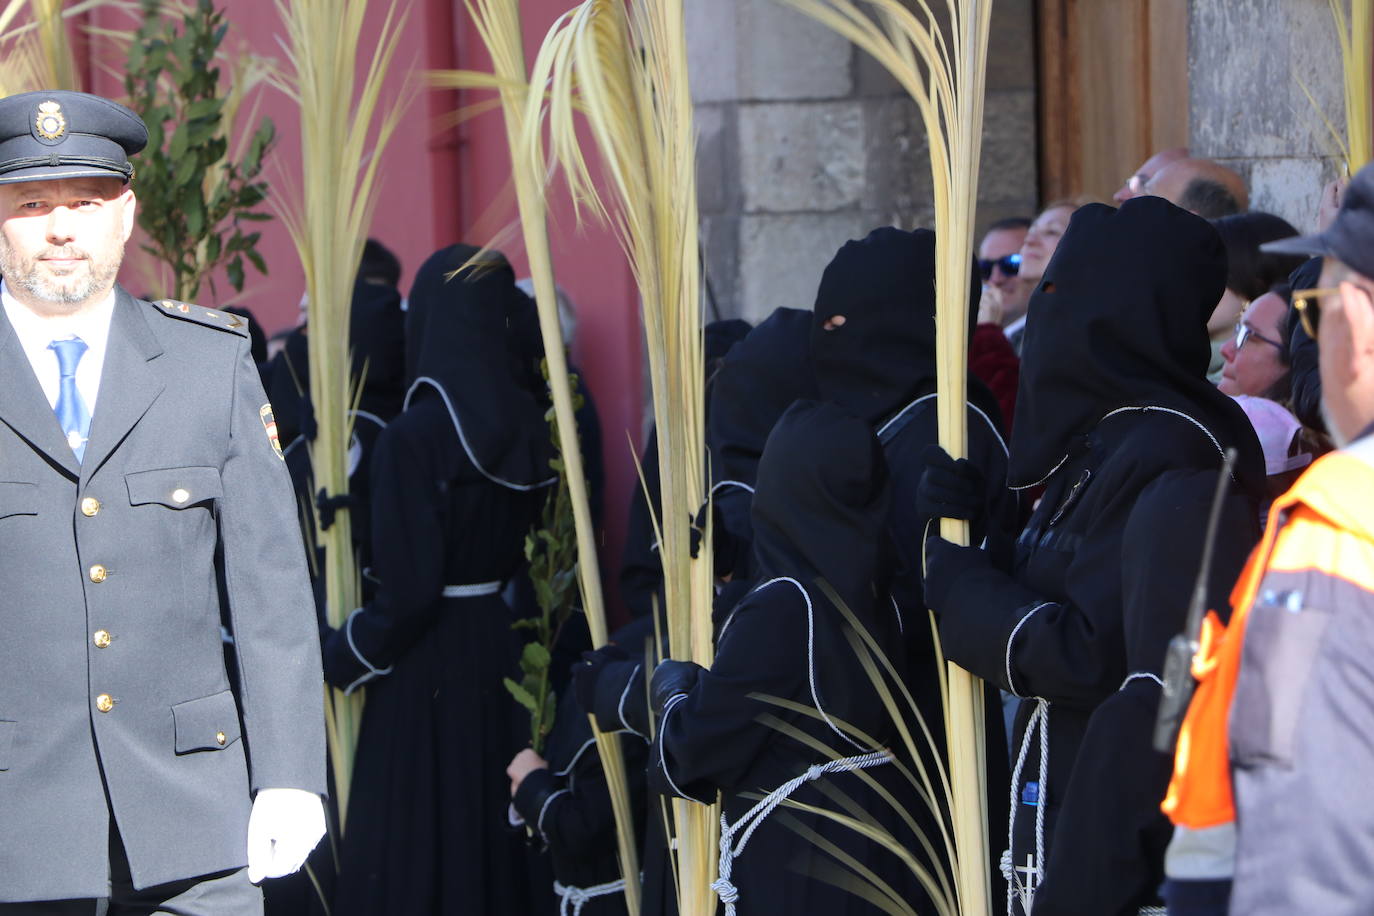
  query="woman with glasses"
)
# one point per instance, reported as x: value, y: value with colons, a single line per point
x: 1256, y: 352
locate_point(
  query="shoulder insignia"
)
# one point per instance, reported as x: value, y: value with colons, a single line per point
x: 214, y: 318
x: 269, y: 425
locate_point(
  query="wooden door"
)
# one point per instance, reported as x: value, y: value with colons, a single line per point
x: 1113, y: 90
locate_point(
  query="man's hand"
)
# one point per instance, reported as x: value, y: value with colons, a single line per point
x: 283, y: 828
x: 521, y: 765
x: 1330, y: 204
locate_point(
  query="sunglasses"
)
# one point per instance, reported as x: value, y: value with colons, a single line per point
x: 1244, y: 332
x: 1010, y: 265
x: 1306, y: 301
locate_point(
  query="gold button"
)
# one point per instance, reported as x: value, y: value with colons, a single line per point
x: 220, y: 738
x: 104, y: 702
x: 101, y: 639
x: 90, y: 506
x: 98, y: 573
x: 180, y: 495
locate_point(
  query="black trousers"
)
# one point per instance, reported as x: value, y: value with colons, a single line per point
x: 224, y: 894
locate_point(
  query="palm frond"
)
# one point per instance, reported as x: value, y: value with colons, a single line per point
x: 344, y: 129
x: 946, y: 80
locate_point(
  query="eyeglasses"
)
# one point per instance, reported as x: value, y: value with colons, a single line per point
x: 1244, y: 332
x: 1010, y: 265
x: 1309, y: 308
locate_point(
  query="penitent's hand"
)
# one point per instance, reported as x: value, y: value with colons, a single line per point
x: 522, y: 765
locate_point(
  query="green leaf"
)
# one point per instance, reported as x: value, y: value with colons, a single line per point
x: 234, y: 271
x: 536, y: 656
x: 258, y: 262
x: 205, y: 108
x: 522, y: 696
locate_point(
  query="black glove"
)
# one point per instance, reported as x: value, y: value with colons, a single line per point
x: 587, y: 672
x: 945, y: 562
x: 949, y: 488
x: 341, y: 666
x: 672, y: 678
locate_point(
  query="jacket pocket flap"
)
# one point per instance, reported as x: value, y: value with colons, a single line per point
x: 208, y: 724
x: 175, y: 488
x: 7, y: 730
x: 18, y: 498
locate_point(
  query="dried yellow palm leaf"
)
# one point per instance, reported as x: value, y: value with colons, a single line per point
x: 946, y: 80
x: 620, y: 69
x: 498, y: 25
x: 1356, y: 36
x: 344, y: 129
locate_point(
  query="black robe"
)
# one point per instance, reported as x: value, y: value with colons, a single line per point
x: 880, y: 363
x: 457, y: 483
x: 1113, y: 395
x: 1109, y: 853
x: 569, y: 805
x: 818, y: 511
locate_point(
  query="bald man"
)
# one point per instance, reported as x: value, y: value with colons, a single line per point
x: 1134, y: 186
x: 1201, y: 186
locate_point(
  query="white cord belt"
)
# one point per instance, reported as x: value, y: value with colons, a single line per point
x: 749, y: 822
x: 1034, y: 871
x: 476, y: 590
x: 573, y: 899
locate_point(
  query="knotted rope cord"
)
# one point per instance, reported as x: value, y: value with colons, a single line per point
x: 1039, y: 718
x: 573, y: 899
x: 749, y: 822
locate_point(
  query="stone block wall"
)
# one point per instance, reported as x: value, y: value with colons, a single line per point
x: 1248, y: 63
x: 806, y: 143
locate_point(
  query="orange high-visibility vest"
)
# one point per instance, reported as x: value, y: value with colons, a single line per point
x: 1314, y: 526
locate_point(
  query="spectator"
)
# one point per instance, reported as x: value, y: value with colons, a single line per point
x: 999, y: 262
x: 1201, y: 186
x: 1134, y: 186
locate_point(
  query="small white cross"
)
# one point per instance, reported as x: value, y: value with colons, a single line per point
x: 1026, y: 889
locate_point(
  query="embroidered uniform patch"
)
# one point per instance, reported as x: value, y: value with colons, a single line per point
x: 269, y: 424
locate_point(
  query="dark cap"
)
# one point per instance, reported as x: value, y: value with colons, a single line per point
x: 59, y: 134
x: 1350, y: 237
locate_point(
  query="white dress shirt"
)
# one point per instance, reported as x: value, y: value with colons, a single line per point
x: 36, y: 333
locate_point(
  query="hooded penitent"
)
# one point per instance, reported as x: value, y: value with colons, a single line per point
x: 883, y: 355
x: 1120, y: 319
x: 758, y: 379
x: 819, y: 513
x: 463, y: 346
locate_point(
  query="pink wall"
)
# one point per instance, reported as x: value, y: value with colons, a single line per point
x: 440, y: 186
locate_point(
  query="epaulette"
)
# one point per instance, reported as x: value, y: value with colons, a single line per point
x: 224, y: 321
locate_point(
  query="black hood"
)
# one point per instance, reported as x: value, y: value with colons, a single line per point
x: 462, y: 345
x: 884, y: 354
x: 376, y: 333
x: 820, y: 512
x: 1120, y: 319
x: 759, y: 378
x: 820, y: 507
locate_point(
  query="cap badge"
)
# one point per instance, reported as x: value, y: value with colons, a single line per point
x: 50, y: 124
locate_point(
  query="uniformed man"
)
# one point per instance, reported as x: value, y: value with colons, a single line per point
x: 140, y: 481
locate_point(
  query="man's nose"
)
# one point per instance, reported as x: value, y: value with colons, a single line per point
x: 61, y: 228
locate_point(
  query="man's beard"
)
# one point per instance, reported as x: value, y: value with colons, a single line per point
x: 85, y: 279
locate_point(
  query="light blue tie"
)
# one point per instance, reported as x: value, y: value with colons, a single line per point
x: 72, y: 414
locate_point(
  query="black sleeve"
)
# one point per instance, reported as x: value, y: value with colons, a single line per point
x: 408, y: 558
x: 710, y: 738
x: 1066, y: 651
x: 622, y: 700
x: 581, y: 820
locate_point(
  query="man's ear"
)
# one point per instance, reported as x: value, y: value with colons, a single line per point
x: 1356, y: 352
x: 130, y: 211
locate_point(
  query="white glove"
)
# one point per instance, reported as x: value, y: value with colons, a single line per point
x: 283, y: 828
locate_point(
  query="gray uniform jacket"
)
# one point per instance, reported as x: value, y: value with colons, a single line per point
x: 111, y: 576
